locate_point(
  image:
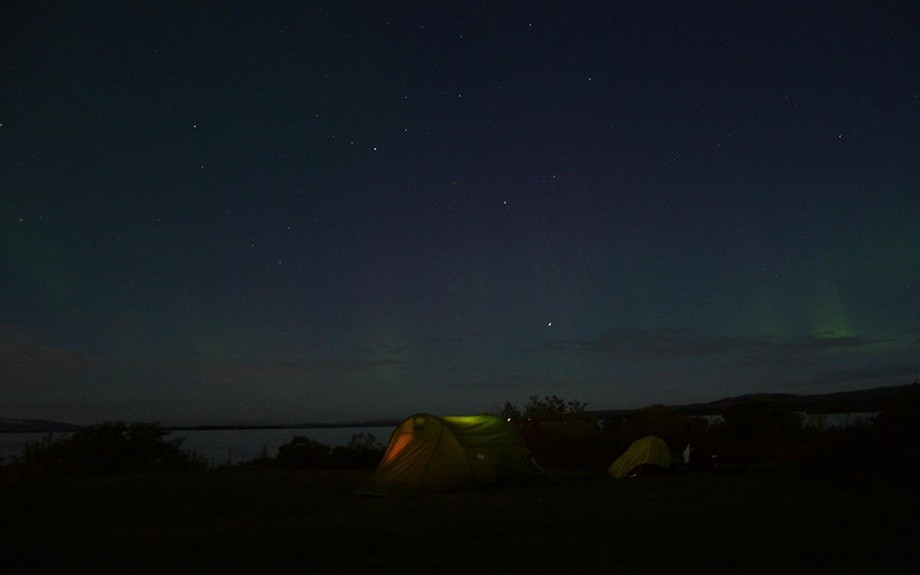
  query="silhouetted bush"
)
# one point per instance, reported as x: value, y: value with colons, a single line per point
x: 895, y: 431
x: 106, y: 448
x: 302, y: 453
x: 362, y: 451
x: 760, y: 419
x: 759, y: 430
x: 559, y: 434
x: 657, y: 420
x: 899, y: 421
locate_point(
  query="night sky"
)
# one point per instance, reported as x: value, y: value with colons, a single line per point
x: 302, y: 211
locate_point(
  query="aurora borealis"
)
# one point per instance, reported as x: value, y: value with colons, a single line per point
x: 347, y: 210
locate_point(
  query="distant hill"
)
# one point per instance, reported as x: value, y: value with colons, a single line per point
x: 858, y: 401
x: 862, y: 400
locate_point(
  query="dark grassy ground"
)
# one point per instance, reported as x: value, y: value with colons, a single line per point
x: 766, y: 520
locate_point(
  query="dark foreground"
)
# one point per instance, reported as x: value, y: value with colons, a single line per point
x: 236, y: 521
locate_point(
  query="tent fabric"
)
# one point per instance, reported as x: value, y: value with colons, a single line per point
x: 429, y: 452
x: 649, y: 450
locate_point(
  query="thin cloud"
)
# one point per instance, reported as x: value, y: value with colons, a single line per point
x: 370, y: 350
x: 503, y: 382
x: 458, y: 336
x: 13, y: 335
x: 290, y: 370
x: 30, y: 364
x: 822, y: 343
x: 900, y: 371
x: 676, y: 344
x: 518, y: 382
x: 658, y: 344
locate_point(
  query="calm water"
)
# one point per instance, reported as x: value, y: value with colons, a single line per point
x: 219, y: 446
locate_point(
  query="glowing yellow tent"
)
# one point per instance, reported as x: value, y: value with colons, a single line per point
x: 649, y: 450
x: 428, y: 452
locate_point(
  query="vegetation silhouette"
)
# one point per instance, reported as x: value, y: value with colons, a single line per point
x: 104, y: 449
x: 115, y: 497
x: 560, y: 434
x: 363, y: 451
x: 843, y: 496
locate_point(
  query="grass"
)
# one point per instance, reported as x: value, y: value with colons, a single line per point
x: 764, y: 520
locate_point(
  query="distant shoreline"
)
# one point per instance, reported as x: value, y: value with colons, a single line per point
x: 375, y: 423
x: 858, y: 401
x: 56, y: 427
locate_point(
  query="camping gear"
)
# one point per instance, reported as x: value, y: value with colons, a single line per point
x: 428, y: 452
x: 649, y: 450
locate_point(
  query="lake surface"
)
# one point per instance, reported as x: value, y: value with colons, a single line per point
x: 220, y: 446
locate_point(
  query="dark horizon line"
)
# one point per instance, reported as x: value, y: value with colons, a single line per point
x: 862, y: 400
x: 308, y: 425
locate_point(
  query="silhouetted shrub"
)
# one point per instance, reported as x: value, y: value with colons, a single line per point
x: 106, y: 448
x: 899, y: 421
x: 303, y: 453
x: 758, y: 430
x: 896, y: 429
x: 559, y: 434
x: 657, y: 420
x: 363, y: 451
x: 758, y: 419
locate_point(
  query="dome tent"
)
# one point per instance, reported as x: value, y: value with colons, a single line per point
x: 429, y: 452
x: 649, y: 450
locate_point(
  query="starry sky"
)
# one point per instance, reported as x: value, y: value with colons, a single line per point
x: 326, y: 211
